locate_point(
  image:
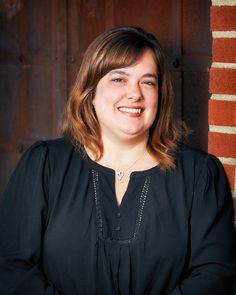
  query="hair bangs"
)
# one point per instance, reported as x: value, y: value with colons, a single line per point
x: 119, y: 56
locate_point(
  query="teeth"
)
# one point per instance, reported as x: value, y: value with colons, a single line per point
x: 130, y: 110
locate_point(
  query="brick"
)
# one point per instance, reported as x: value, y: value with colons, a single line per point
x: 221, y: 144
x: 230, y: 172
x: 224, y: 50
x: 223, y: 18
x: 222, y: 113
x: 223, y: 81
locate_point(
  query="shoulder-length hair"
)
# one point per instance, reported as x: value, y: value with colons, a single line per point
x: 117, y: 48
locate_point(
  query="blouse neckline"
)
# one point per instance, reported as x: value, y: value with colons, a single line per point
x: 108, y: 170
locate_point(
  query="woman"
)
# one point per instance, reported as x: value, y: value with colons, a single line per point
x: 118, y: 205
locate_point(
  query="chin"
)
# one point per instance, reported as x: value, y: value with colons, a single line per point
x: 133, y: 133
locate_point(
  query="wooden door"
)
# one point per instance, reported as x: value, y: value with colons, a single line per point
x: 32, y: 75
x: 41, y: 48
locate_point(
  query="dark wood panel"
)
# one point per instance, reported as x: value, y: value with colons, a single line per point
x: 28, y: 29
x: 9, y: 87
x: 7, y: 163
x: 196, y: 27
x: 177, y: 85
x: 195, y: 106
x: 158, y: 17
x: 196, y: 61
x: 33, y: 76
x: 39, y: 105
x: 85, y: 21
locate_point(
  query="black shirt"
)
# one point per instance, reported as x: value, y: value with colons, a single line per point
x: 62, y: 232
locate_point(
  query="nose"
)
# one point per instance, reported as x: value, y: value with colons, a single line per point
x: 135, y: 92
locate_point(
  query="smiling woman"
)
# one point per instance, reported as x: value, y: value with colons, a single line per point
x: 116, y: 54
x: 118, y: 205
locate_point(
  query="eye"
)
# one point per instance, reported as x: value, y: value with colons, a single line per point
x: 118, y: 80
x: 149, y: 83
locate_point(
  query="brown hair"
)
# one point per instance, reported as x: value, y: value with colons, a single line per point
x: 117, y: 48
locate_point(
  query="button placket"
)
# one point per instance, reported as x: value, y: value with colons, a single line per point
x: 117, y: 228
x: 115, y: 225
x: 118, y: 214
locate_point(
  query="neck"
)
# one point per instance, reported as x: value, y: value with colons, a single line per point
x: 125, y: 157
x: 122, y: 153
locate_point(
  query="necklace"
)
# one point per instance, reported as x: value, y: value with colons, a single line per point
x: 121, y: 173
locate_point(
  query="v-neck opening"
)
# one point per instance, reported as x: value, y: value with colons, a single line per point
x: 124, y: 197
x: 109, y: 231
x: 111, y: 172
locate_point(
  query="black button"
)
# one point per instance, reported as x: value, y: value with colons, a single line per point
x: 118, y: 214
x: 117, y: 228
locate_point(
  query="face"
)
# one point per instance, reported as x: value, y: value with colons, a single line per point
x: 126, y: 99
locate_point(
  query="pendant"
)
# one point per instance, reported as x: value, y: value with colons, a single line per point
x: 120, y: 175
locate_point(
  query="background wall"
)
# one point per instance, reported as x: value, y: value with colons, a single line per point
x: 222, y: 104
x: 42, y: 43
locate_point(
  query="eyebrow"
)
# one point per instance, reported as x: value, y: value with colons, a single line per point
x: 147, y: 75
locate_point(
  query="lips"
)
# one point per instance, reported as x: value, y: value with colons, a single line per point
x: 131, y: 110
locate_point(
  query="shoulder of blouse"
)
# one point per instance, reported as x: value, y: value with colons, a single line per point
x: 188, y: 154
x: 60, y: 151
x: 50, y: 158
x: 53, y: 146
x: 57, y: 149
x: 207, y: 176
x: 54, y: 153
x: 58, y: 145
x: 200, y: 162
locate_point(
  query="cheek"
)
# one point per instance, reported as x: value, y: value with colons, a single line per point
x: 104, y: 97
x: 153, y: 108
x: 102, y: 105
x: 154, y: 103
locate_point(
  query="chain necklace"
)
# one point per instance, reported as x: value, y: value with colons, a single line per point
x: 121, y: 173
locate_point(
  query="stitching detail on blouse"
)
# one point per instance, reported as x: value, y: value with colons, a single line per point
x: 142, y: 201
x: 97, y: 202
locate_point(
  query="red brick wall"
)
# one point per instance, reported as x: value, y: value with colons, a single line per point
x: 222, y: 105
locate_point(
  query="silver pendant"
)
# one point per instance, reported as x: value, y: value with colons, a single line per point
x: 120, y: 175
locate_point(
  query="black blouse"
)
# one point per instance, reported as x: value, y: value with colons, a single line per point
x: 62, y: 232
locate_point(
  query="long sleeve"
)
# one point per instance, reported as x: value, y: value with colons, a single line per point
x: 23, y: 218
x: 210, y: 268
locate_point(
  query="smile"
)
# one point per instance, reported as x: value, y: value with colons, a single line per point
x: 130, y: 110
